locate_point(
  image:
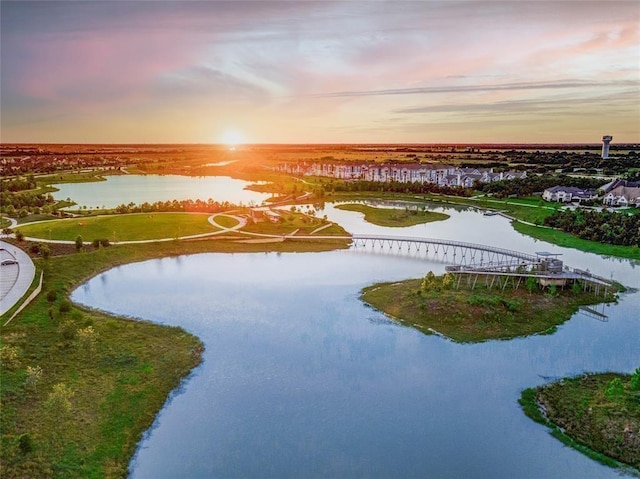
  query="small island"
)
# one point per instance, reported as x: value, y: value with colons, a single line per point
x: 394, y: 217
x: 438, y: 304
x: 597, y: 414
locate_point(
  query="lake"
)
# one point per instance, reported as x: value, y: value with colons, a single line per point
x: 301, y: 379
x: 151, y: 188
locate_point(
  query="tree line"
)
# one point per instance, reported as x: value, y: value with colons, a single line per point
x: 605, y: 227
x: 535, y: 184
x: 209, y: 206
x: 396, y: 187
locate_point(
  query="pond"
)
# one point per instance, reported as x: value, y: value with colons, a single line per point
x: 301, y: 379
x: 152, y: 188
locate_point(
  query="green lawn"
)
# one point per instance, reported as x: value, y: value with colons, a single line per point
x: 394, y: 217
x: 569, y: 241
x: 133, y: 227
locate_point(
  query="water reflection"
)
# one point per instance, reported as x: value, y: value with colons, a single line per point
x: 300, y: 379
x: 152, y: 188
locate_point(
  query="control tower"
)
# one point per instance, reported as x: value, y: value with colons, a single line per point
x: 606, y: 139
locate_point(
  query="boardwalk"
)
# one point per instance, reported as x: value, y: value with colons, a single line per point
x: 474, y: 260
x: 457, y: 252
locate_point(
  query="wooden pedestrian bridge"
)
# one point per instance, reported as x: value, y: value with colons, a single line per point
x: 490, y: 264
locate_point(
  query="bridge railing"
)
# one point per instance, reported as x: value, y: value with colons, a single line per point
x: 458, y: 244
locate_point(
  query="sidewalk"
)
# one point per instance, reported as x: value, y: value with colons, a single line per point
x: 15, y: 279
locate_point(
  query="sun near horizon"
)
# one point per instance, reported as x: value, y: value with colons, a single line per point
x: 232, y: 138
x: 403, y: 72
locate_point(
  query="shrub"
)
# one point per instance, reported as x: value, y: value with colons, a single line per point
x: 52, y: 295
x: 614, y: 389
x: 67, y: 330
x: 9, y: 357
x: 65, y: 306
x: 45, y: 251
x: 34, y: 375
x: 60, y: 398
x: 634, y: 384
x: 96, y: 243
x: 25, y: 443
x: 448, y: 281
x: 79, y: 243
x: 430, y: 281
x: 19, y: 235
x: 34, y: 249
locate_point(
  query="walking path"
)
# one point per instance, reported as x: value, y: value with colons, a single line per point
x: 16, y: 275
x: 222, y: 229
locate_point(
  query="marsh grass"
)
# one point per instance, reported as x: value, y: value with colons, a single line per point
x: 590, y: 415
x: 474, y: 315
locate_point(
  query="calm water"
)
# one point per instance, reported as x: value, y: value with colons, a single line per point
x: 152, y: 188
x: 300, y: 379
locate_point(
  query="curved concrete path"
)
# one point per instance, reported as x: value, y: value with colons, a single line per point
x: 211, y: 219
x: 15, y: 279
x: 242, y: 222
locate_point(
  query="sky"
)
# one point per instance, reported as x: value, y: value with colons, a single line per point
x: 319, y: 72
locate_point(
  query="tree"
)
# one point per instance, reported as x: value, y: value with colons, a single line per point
x: 79, y: 243
x: 19, y: 235
x: 430, y: 281
x: 45, y: 251
x: 448, y: 281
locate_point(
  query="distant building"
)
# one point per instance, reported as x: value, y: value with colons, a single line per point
x: 567, y: 194
x: 623, y: 196
x: 618, y: 182
x: 441, y: 175
x: 606, y: 139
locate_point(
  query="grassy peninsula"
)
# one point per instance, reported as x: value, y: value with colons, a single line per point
x: 79, y: 387
x: 597, y: 414
x: 394, y: 217
x: 434, y: 305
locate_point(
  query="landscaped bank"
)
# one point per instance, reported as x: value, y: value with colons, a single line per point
x: 434, y: 305
x: 79, y: 387
x: 570, y: 241
x: 394, y: 217
x: 597, y: 414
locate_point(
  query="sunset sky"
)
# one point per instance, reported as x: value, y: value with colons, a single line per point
x: 320, y: 72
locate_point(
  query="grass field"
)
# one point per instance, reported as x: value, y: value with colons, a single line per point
x: 133, y: 227
x: 394, y: 217
x: 466, y: 315
x: 79, y: 387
